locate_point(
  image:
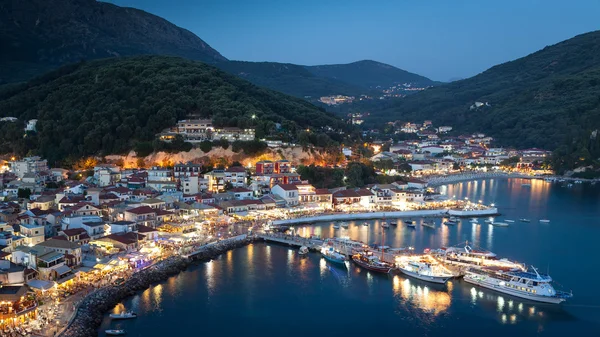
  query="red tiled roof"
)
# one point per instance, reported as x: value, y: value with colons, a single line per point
x: 74, y: 231
x: 322, y: 191
x: 288, y: 187
x: 141, y: 210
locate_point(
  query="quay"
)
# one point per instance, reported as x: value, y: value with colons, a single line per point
x: 206, y: 247
x: 438, y: 213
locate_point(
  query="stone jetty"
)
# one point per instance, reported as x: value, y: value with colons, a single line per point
x: 91, y: 310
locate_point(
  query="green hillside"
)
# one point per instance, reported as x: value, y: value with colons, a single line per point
x: 369, y: 74
x: 289, y: 78
x: 107, y: 106
x: 549, y: 99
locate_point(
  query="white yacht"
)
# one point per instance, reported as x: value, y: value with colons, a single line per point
x: 424, y: 271
x: 469, y: 257
x: 529, y: 285
x: 303, y: 250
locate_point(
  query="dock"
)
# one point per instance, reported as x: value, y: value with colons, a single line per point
x: 314, y: 244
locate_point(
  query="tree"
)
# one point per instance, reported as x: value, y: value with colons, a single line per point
x: 23, y: 193
x: 141, y: 163
x: 206, y: 146
x: 223, y: 143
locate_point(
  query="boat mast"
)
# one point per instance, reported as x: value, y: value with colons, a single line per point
x: 382, y: 240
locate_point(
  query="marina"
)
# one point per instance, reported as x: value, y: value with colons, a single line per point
x: 208, y: 289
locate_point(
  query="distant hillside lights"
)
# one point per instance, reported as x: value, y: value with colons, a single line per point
x: 199, y: 130
x: 337, y: 99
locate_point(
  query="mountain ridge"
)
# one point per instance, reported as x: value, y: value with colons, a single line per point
x: 42, y: 35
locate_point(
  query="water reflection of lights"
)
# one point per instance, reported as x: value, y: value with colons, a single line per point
x: 500, y: 303
x: 510, y: 304
x: 531, y: 311
x: 473, y: 295
x: 210, y: 271
x: 322, y: 267
x: 445, y: 235
x: 157, y: 294
x: 520, y: 307
x: 422, y: 297
x: 503, y: 318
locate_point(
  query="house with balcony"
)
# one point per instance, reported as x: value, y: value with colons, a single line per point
x: 142, y: 215
x: 70, y: 250
x: 33, y: 233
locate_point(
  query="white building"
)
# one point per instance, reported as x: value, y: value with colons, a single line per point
x: 32, y: 165
x: 31, y: 125
x: 288, y: 192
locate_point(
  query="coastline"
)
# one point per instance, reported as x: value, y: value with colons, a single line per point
x: 91, y: 309
x: 461, y: 177
x: 391, y: 214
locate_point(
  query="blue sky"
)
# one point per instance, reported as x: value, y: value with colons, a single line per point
x: 437, y: 39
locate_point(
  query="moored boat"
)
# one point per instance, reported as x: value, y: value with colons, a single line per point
x: 365, y: 224
x: 544, y: 220
x: 450, y: 223
x: 303, y: 250
x: 393, y: 223
x: 509, y: 221
x: 524, y: 284
x: 115, y: 332
x: 124, y: 315
x: 524, y: 220
x: 499, y: 224
x: 424, y: 271
x: 331, y: 255
x: 372, y: 263
x: 411, y: 225
x: 336, y: 226
x: 473, y: 220
x: 468, y: 257
x: 344, y: 225
x: 429, y: 224
x: 385, y: 225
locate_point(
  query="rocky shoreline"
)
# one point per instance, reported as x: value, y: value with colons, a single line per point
x: 90, y: 312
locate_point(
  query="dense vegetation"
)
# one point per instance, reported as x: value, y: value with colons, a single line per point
x: 369, y: 74
x: 549, y: 99
x: 356, y: 174
x: 291, y: 79
x: 39, y: 35
x: 109, y: 106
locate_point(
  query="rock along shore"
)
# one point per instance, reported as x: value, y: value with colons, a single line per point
x: 90, y: 312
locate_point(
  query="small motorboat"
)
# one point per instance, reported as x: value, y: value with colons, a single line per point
x: 385, y: 225
x: 450, y: 223
x: 474, y: 220
x: 544, y: 220
x: 499, y: 224
x: 303, y: 250
x: 455, y: 219
x: 336, y: 226
x: 393, y: 223
x: 115, y: 332
x: 411, y: 225
x: 524, y: 220
x: 408, y: 222
x: 488, y: 220
x: 123, y: 315
x: 509, y: 221
x: 366, y: 224
x: 429, y: 224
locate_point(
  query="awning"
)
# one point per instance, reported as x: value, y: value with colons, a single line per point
x: 65, y: 279
x: 40, y: 284
x: 62, y: 270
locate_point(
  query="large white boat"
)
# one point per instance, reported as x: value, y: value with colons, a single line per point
x: 466, y: 256
x: 524, y: 284
x: 424, y: 271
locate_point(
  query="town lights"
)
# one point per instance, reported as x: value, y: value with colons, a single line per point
x: 253, y: 116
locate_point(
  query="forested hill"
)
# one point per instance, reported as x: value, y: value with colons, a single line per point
x: 549, y: 99
x: 291, y: 79
x: 369, y: 74
x: 40, y: 35
x: 107, y: 106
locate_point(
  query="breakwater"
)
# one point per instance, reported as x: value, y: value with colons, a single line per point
x: 91, y: 310
x: 389, y: 215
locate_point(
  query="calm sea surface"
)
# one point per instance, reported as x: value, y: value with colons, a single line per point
x: 267, y: 290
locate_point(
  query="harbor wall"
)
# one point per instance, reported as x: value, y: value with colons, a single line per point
x: 388, y: 215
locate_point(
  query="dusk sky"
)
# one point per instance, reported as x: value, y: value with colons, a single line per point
x: 437, y: 39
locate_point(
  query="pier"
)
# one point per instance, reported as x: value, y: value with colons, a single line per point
x: 345, y: 248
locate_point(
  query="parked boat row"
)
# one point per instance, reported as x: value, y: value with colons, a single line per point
x: 120, y: 316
